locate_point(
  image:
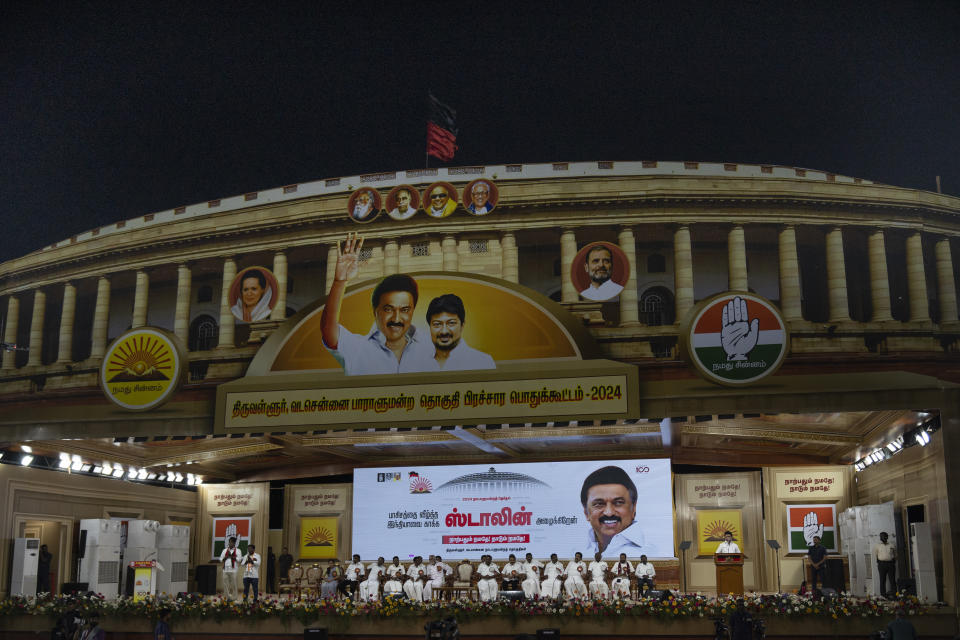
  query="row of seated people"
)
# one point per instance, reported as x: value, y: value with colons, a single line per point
x: 425, y: 582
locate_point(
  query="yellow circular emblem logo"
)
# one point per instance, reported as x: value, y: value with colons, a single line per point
x: 142, y: 369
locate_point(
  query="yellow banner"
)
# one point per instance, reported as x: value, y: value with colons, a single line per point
x: 711, y: 523
x: 142, y: 577
x: 452, y: 403
x: 318, y: 538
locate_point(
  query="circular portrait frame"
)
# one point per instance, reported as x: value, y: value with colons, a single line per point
x: 260, y: 311
x: 449, y: 208
x: 391, y: 202
x: 493, y: 197
x: 581, y: 278
x: 374, y: 205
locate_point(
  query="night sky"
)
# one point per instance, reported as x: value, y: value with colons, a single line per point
x: 110, y: 111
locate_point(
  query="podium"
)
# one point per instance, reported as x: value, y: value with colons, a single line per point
x: 729, y: 572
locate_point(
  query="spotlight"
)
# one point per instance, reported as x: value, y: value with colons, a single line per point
x: 162, y: 477
x: 923, y: 438
x: 86, y: 467
x: 131, y: 473
x: 26, y: 460
x: 98, y: 469
x: 118, y: 472
x: 190, y: 479
x: 152, y: 476
x: 867, y: 461
x: 26, y: 448
x: 177, y: 477
x: 197, y: 480
x: 64, y: 462
x: 77, y: 465
x: 142, y: 474
x: 106, y: 470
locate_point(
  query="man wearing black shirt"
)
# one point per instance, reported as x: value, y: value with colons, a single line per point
x: 818, y: 560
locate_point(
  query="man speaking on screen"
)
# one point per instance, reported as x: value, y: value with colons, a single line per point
x: 609, y: 499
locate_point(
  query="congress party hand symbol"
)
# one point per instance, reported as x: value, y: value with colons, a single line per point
x: 811, y: 528
x: 738, y: 335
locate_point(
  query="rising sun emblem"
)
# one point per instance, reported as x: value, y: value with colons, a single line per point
x: 420, y: 485
x: 319, y: 537
x: 713, y: 532
x: 141, y: 358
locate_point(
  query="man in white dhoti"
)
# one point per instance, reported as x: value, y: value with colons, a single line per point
x: 437, y: 572
x: 513, y: 573
x: 395, y: 573
x: 645, y: 574
x: 575, y: 572
x: 531, y: 583
x: 551, y: 585
x: 488, y: 579
x: 416, y: 576
x: 598, y: 577
x: 370, y: 588
x: 622, y: 571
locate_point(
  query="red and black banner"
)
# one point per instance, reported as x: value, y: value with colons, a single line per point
x: 441, y: 130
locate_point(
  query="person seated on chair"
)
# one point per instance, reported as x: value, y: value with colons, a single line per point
x: 552, y: 582
x: 353, y: 576
x: 487, y: 586
x: 575, y: 572
x: 330, y: 583
x: 622, y: 571
x: 370, y: 588
x: 437, y: 572
x: 531, y: 583
x: 395, y: 572
x: 645, y: 574
x: 598, y: 577
x: 416, y: 576
x: 512, y: 574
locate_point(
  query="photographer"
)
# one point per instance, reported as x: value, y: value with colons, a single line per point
x: 250, y: 565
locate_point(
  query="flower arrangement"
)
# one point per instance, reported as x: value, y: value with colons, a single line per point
x: 677, y: 606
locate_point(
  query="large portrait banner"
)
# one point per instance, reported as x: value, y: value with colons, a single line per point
x: 623, y: 506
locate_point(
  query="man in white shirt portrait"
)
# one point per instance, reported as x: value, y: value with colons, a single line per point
x: 609, y: 499
x: 552, y: 583
x: 598, y: 264
x: 230, y: 559
x: 598, y: 577
x: 480, y: 198
x: 487, y: 584
x: 575, y: 584
x: 404, y: 208
x: 393, y: 345
x: 395, y: 573
x: 531, y: 583
x: 370, y: 588
x: 728, y: 545
x: 512, y: 573
x: 886, y: 555
x: 355, y: 573
x: 437, y: 572
x: 445, y: 317
x: 416, y: 576
x: 362, y: 205
x: 251, y: 572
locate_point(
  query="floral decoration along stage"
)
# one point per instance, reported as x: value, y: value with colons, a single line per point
x: 307, y: 612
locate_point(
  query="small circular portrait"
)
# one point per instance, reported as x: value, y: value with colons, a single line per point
x: 253, y: 294
x: 363, y: 205
x: 440, y: 199
x: 480, y: 197
x: 402, y: 202
x: 599, y: 271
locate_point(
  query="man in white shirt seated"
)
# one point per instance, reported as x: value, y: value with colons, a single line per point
x: 728, y: 545
x: 487, y: 584
x: 552, y: 582
x: 598, y: 577
x: 416, y: 576
x: 575, y: 572
x: 622, y: 571
x: 531, y: 583
x: 645, y: 574
x: 437, y: 572
x: 370, y: 588
x: 512, y: 573
x: 395, y: 574
x: 355, y: 573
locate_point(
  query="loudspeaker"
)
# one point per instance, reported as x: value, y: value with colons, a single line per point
x: 833, y: 574
x: 207, y: 579
x: 511, y: 595
x: 315, y: 634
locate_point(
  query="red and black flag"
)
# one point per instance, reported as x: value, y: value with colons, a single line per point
x: 441, y: 130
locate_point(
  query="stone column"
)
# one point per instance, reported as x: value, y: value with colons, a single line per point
x: 629, y: 312
x: 946, y: 285
x: 226, y: 316
x: 568, y: 251
x: 36, y: 329
x: 140, y: 300
x: 917, y: 280
x: 510, y: 257
x: 837, y: 277
x: 67, y: 313
x: 448, y: 247
x: 682, y: 272
x: 391, y: 258
x: 101, y: 319
x: 790, y: 291
x: 879, y: 280
x: 181, y: 311
x: 280, y: 271
x: 10, y: 331
x: 737, y: 259
x: 332, y: 254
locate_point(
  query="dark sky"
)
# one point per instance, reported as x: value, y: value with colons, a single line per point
x: 110, y: 111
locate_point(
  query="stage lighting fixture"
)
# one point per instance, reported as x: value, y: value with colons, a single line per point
x: 106, y: 470
x: 131, y: 473
x: 923, y: 438
x: 26, y: 460
x: 178, y: 477
x: 26, y: 448
x: 118, y: 472
x: 142, y: 474
x: 197, y: 480
x: 152, y: 476
x: 867, y: 461
x: 86, y: 467
x: 64, y: 461
x: 98, y: 469
x: 77, y: 465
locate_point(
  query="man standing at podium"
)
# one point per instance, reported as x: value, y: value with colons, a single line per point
x: 728, y: 545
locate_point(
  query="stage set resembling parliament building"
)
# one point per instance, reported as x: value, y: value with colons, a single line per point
x: 596, y: 357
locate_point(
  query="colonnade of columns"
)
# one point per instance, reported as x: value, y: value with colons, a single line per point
x: 738, y: 280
